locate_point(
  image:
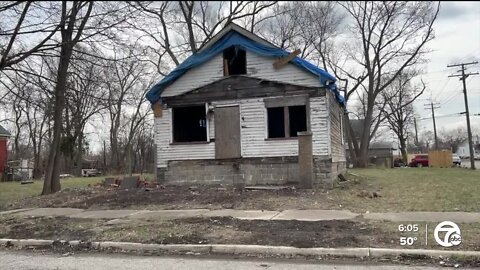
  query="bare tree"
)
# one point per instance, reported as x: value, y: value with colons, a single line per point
x: 453, y: 138
x: 124, y: 78
x: 29, y: 95
x: 84, y: 99
x: 181, y: 28
x: 398, y: 107
x: 72, y: 24
x: 25, y: 36
x: 386, y: 38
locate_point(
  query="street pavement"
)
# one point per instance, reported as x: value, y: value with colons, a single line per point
x: 35, y: 261
x: 293, y: 214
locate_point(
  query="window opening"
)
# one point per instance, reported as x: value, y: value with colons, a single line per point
x: 189, y: 124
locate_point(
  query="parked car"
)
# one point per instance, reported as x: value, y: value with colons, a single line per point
x: 477, y: 156
x: 456, y: 160
x: 419, y: 161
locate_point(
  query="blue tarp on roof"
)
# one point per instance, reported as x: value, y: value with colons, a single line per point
x: 235, y: 39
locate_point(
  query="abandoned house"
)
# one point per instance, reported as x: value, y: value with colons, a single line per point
x: 231, y: 113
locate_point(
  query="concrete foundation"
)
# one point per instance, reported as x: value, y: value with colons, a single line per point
x: 247, y: 171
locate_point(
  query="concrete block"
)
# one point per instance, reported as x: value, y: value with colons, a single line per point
x: 129, y: 182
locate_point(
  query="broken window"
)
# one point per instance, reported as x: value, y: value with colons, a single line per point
x: 234, y: 61
x: 297, y: 120
x: 285, y: 122
x: 276, y: 122
x: 189, y: 124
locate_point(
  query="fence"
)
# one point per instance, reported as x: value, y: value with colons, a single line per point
x: 440, y: 159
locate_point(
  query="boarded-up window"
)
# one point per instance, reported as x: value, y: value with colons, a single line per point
x: 189, y: 124
x: 285, y: 122
x: 234, y: 61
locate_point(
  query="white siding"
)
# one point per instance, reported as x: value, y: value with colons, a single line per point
x: 262, y: 67
x: 253, y: 134
x: 204, y: 74
x: 319, y: 126
x: 257, y: 67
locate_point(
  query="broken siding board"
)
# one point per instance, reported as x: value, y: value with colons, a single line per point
x: 319, y: 125
x: 262, y: 67
x: 336, y: 144
x: 206, y: 73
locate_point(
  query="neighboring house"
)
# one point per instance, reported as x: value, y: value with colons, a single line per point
x: 227, y: 114
x: 463, y: 150
x: 4, y: 135
x: 379, y: 153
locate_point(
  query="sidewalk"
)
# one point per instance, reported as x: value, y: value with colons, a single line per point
x: 300, y: 215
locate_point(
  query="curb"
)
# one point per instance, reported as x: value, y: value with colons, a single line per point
x: 244, y: 249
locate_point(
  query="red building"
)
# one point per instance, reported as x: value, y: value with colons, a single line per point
x: 4, y: 135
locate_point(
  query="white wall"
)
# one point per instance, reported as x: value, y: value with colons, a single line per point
x: 257, y: 67
x: 253, y: 133
x: 319, y: 124
x: 204, y: 74
x: 262, y: 67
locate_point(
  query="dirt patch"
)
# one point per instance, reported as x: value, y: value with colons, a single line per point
x: 333, y: 233
x: 342, y: 195
x: 183, y: 197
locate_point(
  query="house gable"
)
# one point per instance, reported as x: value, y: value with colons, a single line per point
x: 207, y: 66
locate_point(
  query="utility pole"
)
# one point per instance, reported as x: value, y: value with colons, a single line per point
x: 463, y: 78
x: 433, y: 106
x: 104, y: 157
x: 416, y: 131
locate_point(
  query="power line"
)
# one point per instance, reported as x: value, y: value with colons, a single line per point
x: 463, y: 77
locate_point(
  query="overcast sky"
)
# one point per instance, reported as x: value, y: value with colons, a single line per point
x: 457, y: 40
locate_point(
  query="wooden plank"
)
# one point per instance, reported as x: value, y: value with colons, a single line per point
x: 157, y: 109
x: 286, y: 122
x: 227, y: 132
x: 283, y: 61
x: 225, y: 68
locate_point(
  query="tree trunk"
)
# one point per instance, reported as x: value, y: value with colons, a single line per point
x: 114, y: 160
x: 403, y: 149
x: 351, y: 140
x: 362, y: 155
x: 129, y: 159
x: 52, y: 180
x: 78, y: 156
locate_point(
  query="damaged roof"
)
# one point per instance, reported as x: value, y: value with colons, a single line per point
x: 233, y: 35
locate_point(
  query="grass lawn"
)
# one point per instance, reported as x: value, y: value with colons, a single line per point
x: 415, y: 189
x: 12, y: 191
